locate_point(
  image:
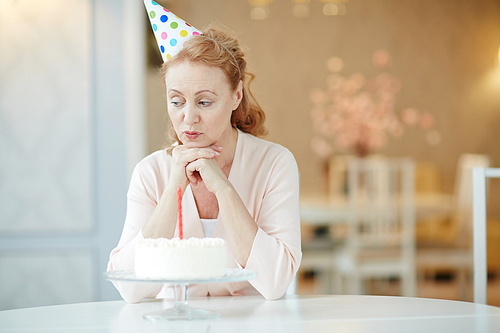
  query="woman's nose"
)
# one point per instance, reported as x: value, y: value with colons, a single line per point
x: 191, y: 115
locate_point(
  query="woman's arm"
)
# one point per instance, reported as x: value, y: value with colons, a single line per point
x: 271, y: 243
x: 164, y: 217
x: 141, y: 202
x: 239, y: 225
x: 276, y: 252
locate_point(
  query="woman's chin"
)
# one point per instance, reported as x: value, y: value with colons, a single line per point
x: 198, y: 143
x: 195, y: 144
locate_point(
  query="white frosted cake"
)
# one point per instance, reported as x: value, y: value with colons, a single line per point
x: 192, y: 258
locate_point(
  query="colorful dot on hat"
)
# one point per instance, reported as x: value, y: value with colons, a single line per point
x: 174, y: 25
x: 164, y: 18
x: 155, y: 27
x: 154, y: 3
x: 164, y: 35
x: 169, y: 56
x: 152, y: 14
x: 183, y: 33
x: 195, y: 33
x: 162, y: 49
x: 165, y: 9
x: 173, y: 42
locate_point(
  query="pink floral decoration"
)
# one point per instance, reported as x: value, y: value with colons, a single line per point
x: 359, y: 113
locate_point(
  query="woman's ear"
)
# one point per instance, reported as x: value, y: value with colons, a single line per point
x: 238, y: 95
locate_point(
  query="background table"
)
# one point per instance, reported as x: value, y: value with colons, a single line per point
x: 333, y: 313
x: 322, y: 210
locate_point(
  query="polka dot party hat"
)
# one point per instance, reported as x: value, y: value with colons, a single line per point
x: 171, y: 32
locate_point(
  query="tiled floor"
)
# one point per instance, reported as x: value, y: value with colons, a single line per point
x: 441, y: 286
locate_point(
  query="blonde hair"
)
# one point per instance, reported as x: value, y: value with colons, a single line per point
x: 217, y: 48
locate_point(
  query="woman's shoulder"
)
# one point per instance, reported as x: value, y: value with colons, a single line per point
x: 154, y: 157
x: 257, y: 145
x: 149, y: 176
x: 155, y: 162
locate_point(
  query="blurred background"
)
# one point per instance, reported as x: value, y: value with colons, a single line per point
x: 81, y: 103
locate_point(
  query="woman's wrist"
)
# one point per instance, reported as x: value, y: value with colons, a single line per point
x: 224, y: 190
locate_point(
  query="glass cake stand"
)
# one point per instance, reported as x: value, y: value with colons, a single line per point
x: 181, y: 310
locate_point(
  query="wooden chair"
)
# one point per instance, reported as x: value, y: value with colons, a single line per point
x: 449, y: 246
x: 318, y: 257
x: 380, y: 241
x: 320, y: 242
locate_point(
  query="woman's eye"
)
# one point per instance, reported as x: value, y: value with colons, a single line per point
x: 176, y: 103
x: 205, y: 103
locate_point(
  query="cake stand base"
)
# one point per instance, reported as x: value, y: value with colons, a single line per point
x: 180, y: 314
x: 181, y: 310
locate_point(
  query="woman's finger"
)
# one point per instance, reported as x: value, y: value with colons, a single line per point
x: 193, y: 173
x: 206, y: 170
x: 185, y: 155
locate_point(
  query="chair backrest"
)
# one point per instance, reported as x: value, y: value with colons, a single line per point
x: 337, y: 176
x: 480, y: 175
x: 381, y: 190
x: 462, y: 196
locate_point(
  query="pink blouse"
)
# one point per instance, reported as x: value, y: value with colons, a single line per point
x: 265, y: 175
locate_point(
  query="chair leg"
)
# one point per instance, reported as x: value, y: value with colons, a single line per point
x: 408, y: 284
x: 462, y: 284
x: 357, y: 284
x: 322, y: 282
x: 337, y: 285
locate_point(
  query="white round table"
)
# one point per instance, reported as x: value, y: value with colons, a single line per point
x: 332, y: 313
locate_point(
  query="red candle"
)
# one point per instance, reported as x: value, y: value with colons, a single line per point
x: 179, y: 207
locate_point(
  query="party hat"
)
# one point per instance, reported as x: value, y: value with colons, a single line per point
x: 171, y: 32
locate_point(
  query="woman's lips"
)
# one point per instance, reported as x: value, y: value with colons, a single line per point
x: 191, y: 135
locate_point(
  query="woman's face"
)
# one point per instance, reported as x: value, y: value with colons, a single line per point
x: 200, y: 104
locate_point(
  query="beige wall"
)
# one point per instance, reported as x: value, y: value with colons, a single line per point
x: 445, y: 52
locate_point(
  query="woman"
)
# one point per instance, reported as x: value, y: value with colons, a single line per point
x: 235, y: 186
